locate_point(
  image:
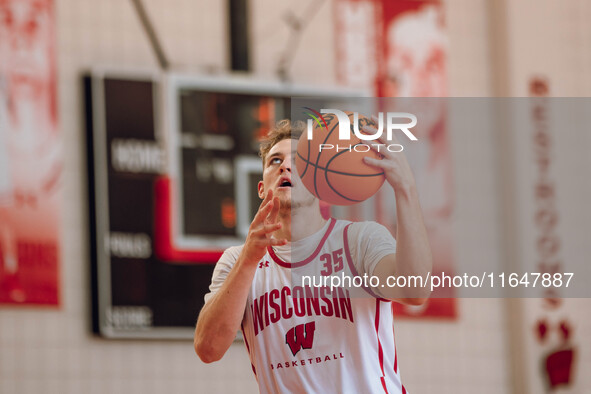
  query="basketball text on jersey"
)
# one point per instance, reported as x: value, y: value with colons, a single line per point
x: 307, y: 361
x: 276, y: 305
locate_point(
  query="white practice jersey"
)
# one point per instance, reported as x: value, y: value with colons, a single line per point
x: 314, y: 339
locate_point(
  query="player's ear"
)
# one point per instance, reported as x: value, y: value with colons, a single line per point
x: 261, y: 188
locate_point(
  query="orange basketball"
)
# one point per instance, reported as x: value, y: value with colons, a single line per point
x: 332, y: 169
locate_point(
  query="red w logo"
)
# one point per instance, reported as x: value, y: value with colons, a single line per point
x: 300, y: 336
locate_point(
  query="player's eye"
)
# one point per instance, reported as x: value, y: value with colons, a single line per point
x: 275, y: 160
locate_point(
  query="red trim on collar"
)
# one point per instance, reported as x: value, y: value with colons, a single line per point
x: 285, y: 264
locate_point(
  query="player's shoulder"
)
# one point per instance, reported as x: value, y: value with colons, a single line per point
x: 232, y: 253
x: 367, y: 229
x: 229, y: 257
x: 366, y: 225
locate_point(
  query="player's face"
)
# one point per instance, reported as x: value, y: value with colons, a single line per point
x: 25, y: 37
x: 278, y: 176
x: 416, y: 64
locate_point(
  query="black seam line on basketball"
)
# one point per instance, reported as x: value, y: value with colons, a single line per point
x: 307, y: 161
x: 328, y: 182
x: 318, y: 159
x: 340, y: 172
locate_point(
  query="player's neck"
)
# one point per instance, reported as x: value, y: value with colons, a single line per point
x: 299, y: 223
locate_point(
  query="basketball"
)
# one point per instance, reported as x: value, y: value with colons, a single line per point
x: 332, y: 169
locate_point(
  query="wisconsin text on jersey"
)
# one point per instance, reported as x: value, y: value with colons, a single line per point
x: 276, y: 305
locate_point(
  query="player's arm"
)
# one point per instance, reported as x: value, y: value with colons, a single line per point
x: 222, y: 315
x: 413, y: 253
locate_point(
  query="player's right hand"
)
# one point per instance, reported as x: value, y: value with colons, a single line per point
x: 260, y: 232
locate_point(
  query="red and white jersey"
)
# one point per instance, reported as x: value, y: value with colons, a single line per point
x: 314, y: 339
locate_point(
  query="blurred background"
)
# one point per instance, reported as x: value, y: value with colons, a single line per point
x: 128, y: 162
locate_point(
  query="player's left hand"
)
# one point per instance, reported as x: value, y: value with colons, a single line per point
x: 394, y: 164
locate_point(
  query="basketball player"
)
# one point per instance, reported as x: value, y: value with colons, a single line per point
x: 307, y: 338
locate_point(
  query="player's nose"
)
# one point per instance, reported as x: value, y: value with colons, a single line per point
x: 286, y: 165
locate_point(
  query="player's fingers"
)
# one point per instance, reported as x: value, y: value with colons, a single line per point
x: 269, y: 228
x: 380, y: 148
x: 372, y: 130
x: 389, y: 149
x: 382, y: 138
x: 264, y: 242
x: 272, y: 217
x: 375, y: 162
x: 268, y: 197
x: 262, y: 213
x: 277, y: 242
x: 369, y: 129
x: 265, y: 229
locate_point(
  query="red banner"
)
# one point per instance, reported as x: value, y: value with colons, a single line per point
x: 30, y: 154
x: 405, y: 55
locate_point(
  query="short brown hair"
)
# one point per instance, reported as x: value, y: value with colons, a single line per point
x: 283, y: 130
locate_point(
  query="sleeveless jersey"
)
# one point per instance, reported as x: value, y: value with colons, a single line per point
x: 314, y: 339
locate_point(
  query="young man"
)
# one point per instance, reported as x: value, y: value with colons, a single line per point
x: 305, y: 339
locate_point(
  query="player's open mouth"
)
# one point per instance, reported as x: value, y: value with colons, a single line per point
x: 285, y: 183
